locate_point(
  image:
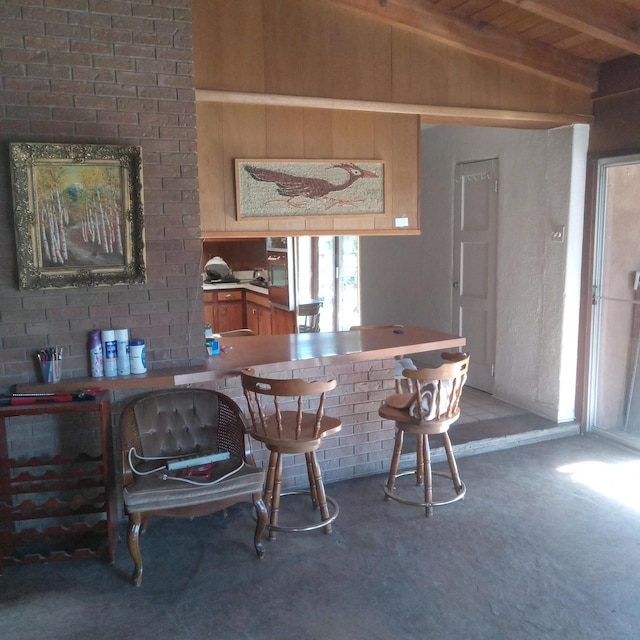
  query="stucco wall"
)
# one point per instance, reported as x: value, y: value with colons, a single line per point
x: 541, y: 186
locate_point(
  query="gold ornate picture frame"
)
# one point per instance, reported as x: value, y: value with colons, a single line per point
x: 284, y: 188
x: 78, y: 215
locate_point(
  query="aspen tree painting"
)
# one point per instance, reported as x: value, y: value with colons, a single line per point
x: 78, y: 215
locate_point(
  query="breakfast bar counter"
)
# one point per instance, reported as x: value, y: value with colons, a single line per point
x: 273, y: 353
x: 361, y: 361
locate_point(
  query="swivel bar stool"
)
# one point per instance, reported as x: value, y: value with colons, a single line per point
x: 430, y: 408
x: 291, y: 430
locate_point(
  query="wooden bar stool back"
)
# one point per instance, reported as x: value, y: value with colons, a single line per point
x: 430, y: 408
x: 309, y: 317
x: 282, y: 419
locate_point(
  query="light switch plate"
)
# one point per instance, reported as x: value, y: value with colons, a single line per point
x: 557, y: 235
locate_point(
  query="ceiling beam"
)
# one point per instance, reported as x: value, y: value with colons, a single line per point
x: 429, y: 114
x: 479, y: 39
x: 613, y: 23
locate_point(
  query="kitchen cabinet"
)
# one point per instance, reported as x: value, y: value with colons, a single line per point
x: 283, y: 321
x: 229, y: 309
x: 258, y: 313
x: 224, y: 310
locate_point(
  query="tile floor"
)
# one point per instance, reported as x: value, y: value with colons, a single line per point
x: 488, y: 424
x: 477, y: 405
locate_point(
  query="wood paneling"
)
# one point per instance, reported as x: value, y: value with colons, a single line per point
x: 319, y: 49
x: 259, y: 132
x: 324, y: 51
x: 229, y: 44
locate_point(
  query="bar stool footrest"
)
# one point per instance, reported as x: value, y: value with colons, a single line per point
x: 391, y: 493
x: 312, y: 527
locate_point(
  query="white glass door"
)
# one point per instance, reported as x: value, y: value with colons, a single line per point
x: 328, y: 272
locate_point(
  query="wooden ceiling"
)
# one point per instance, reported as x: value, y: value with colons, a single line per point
x: 566, y: 40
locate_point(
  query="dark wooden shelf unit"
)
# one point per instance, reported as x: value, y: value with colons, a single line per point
x: 56, y: 507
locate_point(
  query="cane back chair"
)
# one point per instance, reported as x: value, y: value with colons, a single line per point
x: 157, y: 427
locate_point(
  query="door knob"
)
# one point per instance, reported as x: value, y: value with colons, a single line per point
x: 456, y: 285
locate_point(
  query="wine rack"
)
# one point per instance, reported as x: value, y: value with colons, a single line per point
x: 59, y: 506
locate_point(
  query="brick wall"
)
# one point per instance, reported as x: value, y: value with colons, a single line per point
x: 365, y: 443
x: 104, y: 72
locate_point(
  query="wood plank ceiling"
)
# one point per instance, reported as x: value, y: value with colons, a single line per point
x: 565, y: 40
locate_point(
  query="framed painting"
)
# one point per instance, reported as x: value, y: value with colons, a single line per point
x: 281, y: 188
x: 78, y: 215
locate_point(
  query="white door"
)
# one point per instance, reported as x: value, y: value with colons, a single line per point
x: 474, y: 266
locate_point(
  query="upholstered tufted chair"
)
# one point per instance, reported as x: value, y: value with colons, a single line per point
x: 163, y: 424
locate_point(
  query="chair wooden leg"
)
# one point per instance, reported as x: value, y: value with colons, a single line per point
x: 312, y: 484
x: 261, y: 524
x: 133, y: 542
x: 395, y: 461
x: 453, y: 467
x: 275, y: 499
x: 319, y: 486
x: 428, y: 478
x: 420, y: 459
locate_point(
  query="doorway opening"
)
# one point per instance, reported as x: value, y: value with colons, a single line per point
x: 328, y: 272
x: 614, y: 376
x: 475, y: 251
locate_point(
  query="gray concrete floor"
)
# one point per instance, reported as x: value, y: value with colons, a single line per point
x: 545, y: 545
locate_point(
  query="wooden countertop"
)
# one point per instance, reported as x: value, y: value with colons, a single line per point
x: 222, y: 286
x: 272, y: 353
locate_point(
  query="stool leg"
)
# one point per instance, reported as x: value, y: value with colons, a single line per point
x: 271, y: 474
x: 395, y: 461
x: 312, y: 484
x: 428, y: 478
x: 453, y: 467
x: 420, y: 459
x: 319, y: 486
x: 275, y: 500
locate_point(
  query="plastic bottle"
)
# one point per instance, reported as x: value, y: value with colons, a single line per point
x: 137, y: 356
x: 122, y: 340
x: 110, y: 353
x: 211, y: 341
x: 95, y: 354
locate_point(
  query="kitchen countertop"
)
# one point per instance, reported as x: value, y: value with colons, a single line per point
x: 234, y: 285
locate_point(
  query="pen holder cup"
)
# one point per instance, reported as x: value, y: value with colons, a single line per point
x: 51, y: 370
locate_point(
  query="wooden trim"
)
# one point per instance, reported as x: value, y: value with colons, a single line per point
x: 244, y: 235
x: 586, y: 282
x: 429, y: 114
